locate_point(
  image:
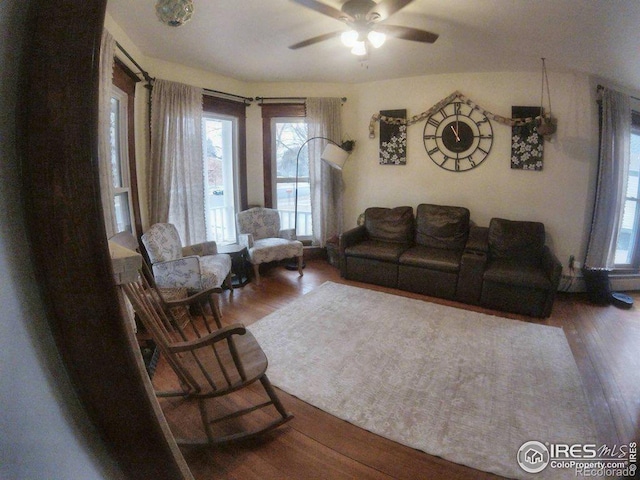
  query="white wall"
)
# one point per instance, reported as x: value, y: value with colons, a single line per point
x: 44, y: 433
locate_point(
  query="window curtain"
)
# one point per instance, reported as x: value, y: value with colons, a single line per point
x: 611, y: 185
x: 176, y: 169
x: 324, y: 120
x: 107, y: 51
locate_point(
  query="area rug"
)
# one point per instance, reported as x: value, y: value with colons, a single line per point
x: 468, y: 387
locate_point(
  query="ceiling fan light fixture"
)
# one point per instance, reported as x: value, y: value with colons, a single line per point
x: 349, y: 38
x: 376, y: 38
x: 359, y: 49
x: 174, y: 12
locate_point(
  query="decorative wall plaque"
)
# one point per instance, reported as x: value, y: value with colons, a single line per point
x: 526, y: 143
x: 393, y: 139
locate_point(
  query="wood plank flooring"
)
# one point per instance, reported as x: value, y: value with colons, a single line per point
x: 605, y: 342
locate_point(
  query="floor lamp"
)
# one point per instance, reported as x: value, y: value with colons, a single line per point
x: 335, y: 156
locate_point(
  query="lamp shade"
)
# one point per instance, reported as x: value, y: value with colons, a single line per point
x: 334, y: 156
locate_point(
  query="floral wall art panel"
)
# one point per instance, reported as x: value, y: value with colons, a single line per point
x: 393, y: 139
x: 526, y: 144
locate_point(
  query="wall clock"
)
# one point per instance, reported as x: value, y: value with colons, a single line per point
x: 458, y: 137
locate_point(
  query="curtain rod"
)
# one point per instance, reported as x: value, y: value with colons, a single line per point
x: 246, y: 100
x: 299, y: 99
x: 144, y: 73
x: 601, y: 87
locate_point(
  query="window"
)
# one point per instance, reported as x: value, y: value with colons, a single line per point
x: 120, y: 161
x: 224, y: 137
x: 123, y: 160
x: 628, y: 245
x: 219, y: 161
x: 283, y: 132
x: 289, y: 134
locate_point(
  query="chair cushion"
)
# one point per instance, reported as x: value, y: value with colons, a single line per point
x: 214, y: 269
x: 377, y: 250
x: 389, y: 224
x: 432, y: 258
x: 516, y: 239
x: 515, y: 272
x: 272, y: 249
x: 442, y: 226
x: 162, y: 242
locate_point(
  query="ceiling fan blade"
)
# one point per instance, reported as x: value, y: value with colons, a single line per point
x: 325, y: 9
x: 319, y: 38
x: 407, y: 33
x: 385, y: 9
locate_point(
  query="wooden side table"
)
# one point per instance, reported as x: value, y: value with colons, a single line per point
x: 239, y: 263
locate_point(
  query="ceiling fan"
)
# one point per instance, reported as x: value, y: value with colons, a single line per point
x: 364, y: 18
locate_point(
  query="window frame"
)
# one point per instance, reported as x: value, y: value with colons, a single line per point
x: 297, y: 216
x: 125, y: 80
x: 269, y: 112
x: 233, y: 121
x: 123, y: 154
x: 212, y: 105
x: 634, y: 265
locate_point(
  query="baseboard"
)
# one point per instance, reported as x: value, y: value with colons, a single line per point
x: 624, y: 283
x: 619, y: 283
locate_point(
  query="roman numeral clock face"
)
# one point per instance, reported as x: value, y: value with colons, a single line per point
x: 458, y: 137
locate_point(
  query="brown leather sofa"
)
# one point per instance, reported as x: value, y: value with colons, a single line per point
x: 506, y: 266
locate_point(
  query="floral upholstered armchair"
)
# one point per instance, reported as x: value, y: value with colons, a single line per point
x: 259, y: 231
x: 196, y: 267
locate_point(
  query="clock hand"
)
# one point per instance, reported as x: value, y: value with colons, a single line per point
x: 455, y: 133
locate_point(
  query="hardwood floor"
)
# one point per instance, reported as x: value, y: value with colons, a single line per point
x: 605, y: 342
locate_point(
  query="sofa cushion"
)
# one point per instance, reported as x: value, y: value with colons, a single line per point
x: 389, y: 224
x: 432, y: 258
x: 513, y: 272
x: 377, y: 250
x: 516, y: 239
x: 442, y: 226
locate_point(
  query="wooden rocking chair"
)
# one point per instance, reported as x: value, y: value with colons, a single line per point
x: 210, y: 361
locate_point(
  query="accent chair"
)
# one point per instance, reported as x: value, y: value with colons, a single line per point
x: 259, y: 231
x: 196, y: 267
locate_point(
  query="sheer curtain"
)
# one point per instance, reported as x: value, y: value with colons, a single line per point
x: 324, y: 120
x: 612, y: 174
x: 107, y: 50
x: 176, y: 169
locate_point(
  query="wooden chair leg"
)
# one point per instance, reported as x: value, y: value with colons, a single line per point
x: 300, y: 263
x: 256, y: 272
x: 229, y: 282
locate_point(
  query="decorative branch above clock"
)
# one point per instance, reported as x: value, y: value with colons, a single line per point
x: 509, y: 122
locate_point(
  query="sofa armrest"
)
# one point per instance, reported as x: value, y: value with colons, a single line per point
x: 289, y: 234
x: 246, y: 240
x: 201, y: 249
x: 182, y: 272
x: 478, y: 240
x: 352, y: 237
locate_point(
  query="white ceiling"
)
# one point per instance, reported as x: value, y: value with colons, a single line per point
x: 248, y: 39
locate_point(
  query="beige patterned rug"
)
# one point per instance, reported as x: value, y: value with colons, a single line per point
x: 467, y: 387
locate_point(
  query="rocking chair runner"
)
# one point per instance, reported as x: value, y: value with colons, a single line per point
x: 209, y: 360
